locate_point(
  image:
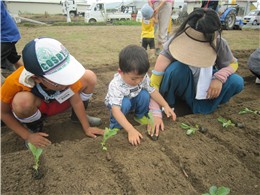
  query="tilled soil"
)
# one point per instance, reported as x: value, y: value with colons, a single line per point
x: 175, y: 164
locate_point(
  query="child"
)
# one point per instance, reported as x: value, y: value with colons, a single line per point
x: 130, y: 90
x: 147, y: 34
x: 50, y: 82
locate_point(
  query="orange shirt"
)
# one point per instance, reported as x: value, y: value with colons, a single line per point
x: 12, y: 86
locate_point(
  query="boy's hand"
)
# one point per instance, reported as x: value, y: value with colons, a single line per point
x: 134, y: 137
x: 93, y: 131
x: 38, y: 139
x: 169, y: 112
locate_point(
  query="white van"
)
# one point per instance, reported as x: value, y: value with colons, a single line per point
x: 252, y: 18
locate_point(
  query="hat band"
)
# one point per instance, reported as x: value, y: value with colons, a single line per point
x: 193, y: 37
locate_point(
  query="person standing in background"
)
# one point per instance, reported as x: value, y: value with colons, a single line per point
x: 162, y: 11
x: 210, y: 4
x: 147, y: 34
x: 9, y: 37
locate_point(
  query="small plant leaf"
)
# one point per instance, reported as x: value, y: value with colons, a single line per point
x: 185, y: 126
x: 223, y: 191
x: 36, y: 154
x: 189, y: 132
x: 225, y: 122
x: 107, y: 134
x: 213, y: 190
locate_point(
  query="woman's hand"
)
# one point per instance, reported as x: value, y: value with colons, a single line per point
x: 158, y: 125
x: 214, y: 89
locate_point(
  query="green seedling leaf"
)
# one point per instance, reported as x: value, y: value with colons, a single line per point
x: 223, y: 191
x: 189, y: 129
x: 36, y: 154
x: 214, y: 190
x: 185, y: 126
x: 225, y: 123
x: 107, y: 134
x: 247, y: 110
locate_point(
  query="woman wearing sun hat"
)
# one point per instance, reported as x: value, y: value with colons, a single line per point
x: 196, y: 66
x: 50, y: 82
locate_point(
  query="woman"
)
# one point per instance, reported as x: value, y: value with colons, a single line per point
x: 196, y: 66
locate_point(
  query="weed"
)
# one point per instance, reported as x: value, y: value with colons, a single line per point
x: 225, y: 123
x: 107, y: 134
x: 214, y: 190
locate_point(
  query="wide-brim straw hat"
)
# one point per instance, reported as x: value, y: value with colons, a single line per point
x: 192, y: 48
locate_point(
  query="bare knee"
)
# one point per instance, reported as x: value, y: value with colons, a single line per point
x: 25, y: 104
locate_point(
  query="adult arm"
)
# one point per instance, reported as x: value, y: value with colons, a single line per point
x: 157, y: 98
x: 156, y: 78
x: 37, y: 139
x: 133, y: 135
x: 157, y: 9
x: 227, y: 65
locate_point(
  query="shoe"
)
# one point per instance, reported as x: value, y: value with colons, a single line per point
x: 157, y: 51
x: 257, y: 81
x: 93, y: 121
x: 142, y: 121
x: 35, y: 126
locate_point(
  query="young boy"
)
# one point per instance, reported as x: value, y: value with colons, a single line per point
x: 50, y: 82
x: 147, y: 34
x: 130, y: 90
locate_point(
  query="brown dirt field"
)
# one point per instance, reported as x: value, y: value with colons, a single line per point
x: 175, y: 164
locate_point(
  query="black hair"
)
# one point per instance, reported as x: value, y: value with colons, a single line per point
x: 134, y: 58
x: 205, y: 21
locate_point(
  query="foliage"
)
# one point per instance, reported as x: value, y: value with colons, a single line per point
x: 107, y: 134
x: 225, y: 123
x: 218, y: 191
x: 127, y: 23
x: 36, y: 154
x: 78, y: 24
x: 247, y: 110
x: 190, y: 129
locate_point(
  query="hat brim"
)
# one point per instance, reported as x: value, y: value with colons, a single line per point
x: 68, y: 75
x: 192, y: 52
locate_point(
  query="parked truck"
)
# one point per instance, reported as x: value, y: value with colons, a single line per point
x: 74, y: 7
x: 98, y: 12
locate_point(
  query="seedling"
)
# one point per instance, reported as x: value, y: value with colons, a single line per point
x: 247, y: 110
x: 214, y: 190
x: 36, y: 154
x: 107, y: 134
x: 190, y: 129
x: 225, y: 123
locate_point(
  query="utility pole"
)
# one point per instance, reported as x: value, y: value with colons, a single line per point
x: 68, y: 11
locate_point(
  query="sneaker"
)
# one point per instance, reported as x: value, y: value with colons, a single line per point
x: 142, y: 121
x: 157, y: 51
x: 257, y: 81
x: 35, y: 126
x: 93, y: 121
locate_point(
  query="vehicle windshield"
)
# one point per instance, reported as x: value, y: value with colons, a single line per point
x: 253, y: 13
